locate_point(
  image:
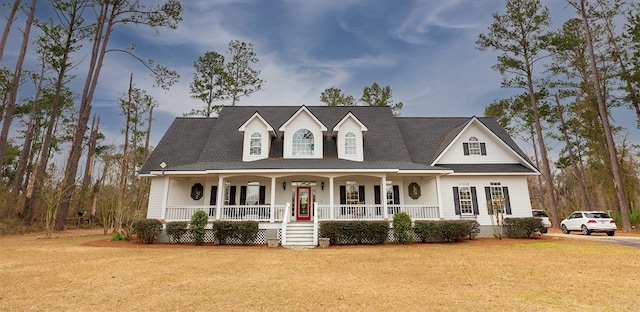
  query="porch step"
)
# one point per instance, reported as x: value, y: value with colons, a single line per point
x: 300, y: 234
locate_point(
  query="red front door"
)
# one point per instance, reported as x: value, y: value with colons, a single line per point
x: 303, y: 203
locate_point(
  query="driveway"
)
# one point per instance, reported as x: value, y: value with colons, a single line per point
x: 633, y: 241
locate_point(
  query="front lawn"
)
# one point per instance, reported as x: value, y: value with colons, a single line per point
x: 75, y: 271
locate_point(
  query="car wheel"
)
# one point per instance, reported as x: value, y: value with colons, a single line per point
x: 585, y: 231
x: 544, y: 230
x: 565, y: 230
x: 611, y: 233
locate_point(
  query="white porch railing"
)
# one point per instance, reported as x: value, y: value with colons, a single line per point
x: 375, y: 212
x: 416, y: 212
x: 185, y: 213
x: 262, y: 213
x: 229, y: 213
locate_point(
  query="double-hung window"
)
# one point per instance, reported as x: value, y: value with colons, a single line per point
x: 474, y: 147
x: 466, y: 203
x: 350, y: 144
x: 255, y: 145
x: 253, y: 193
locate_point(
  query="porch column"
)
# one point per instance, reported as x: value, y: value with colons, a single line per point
x: 331, y: 201
x: 383, y: 197
x: 272, y: 213
x: 439, y: 195
x: 165, y: 198
x: 220, y: 201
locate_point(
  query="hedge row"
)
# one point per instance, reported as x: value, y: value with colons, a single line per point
x: 223, y: 231
x: 450, y: 231
x: 522, y: 227
x: 355, y: 232
x: 245, y: 231
x: 147, y: 230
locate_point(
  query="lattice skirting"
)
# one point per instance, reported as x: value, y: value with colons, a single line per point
x: 261, y: 239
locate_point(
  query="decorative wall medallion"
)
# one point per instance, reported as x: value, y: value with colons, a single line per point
x: 414, y: 190
x: 196, y: 191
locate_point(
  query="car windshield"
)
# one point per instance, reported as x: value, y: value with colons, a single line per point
x: 539, y: 213
x: 597, y: 215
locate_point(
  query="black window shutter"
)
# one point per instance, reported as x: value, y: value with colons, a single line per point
x: 214, y: 195
x: 456, y: 200
x: 465, y: 148
x: 483, y: 148
x: 376, y: 195
x: 243, y: 195
x: 507, y: 202
x: 263, y: 189
x: 343, y: 195
x: 361, y: 194
x: 232, y: 195
x: 396, y: 195
x: 487, y: 194
x: 474, y: 201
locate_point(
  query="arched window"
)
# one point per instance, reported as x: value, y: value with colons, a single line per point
x: 350, y: 144
x: 302, y: 142
x: 474, y: 146
x: 255, y: 146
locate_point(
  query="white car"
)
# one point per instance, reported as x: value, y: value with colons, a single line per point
x: 542, y: 215
x: 588, y: 222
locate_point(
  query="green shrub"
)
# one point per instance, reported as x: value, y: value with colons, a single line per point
x: 634, y: 217
x: 116, y: 237
x: 522, y: 227
x: 449, y: 231
x: 176, y: 229
x: 147, y: 230
x: 247, y: 231
x: 355, y: 232
x: 402, y: 229
x: 223, y: 231
x: 199, y: 221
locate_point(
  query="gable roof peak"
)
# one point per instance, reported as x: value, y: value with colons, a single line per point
x: 352, y: 116
x: 302, y: 109
x: 256, y: 115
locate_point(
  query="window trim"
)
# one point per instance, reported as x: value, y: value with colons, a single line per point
x: 303, y: 143
x: 350, y: 144
x: 255, y: 144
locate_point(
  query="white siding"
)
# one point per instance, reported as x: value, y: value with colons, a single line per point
x: 156, y: 196
x: 518, y: 195
x: 497, y: 153
x: 256, y: 125
x: 350, y: 125
x: 303, y: 121
x: 180, y: 193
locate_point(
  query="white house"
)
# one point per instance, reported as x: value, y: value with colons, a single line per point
x: 290, y: 167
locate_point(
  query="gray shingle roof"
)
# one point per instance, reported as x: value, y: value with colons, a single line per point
x: 197, y: 144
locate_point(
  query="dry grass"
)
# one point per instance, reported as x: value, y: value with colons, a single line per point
x: 70, y: 272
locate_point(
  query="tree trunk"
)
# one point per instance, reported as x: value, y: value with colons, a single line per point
x: 7, y: 26
x: 25, y: 154
x: 10, y: 105
x: 148, y: 134
x: 572, y: 157
x: 100, y: 41
x: 604, y: 116
x: 546, y: 171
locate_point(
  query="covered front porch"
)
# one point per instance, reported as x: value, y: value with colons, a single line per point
x: 269, y: 198
x: 279, y: 201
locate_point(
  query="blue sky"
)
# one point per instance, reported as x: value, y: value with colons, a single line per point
x: 424, y: 50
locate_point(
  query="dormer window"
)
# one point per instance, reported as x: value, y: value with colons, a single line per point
x: 303, y: 143
x: 255, y: 147
x: 350, y: 144
x: 474, y: 147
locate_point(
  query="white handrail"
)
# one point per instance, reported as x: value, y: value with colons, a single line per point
x: 285, y: 221
x: 315, y: 223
